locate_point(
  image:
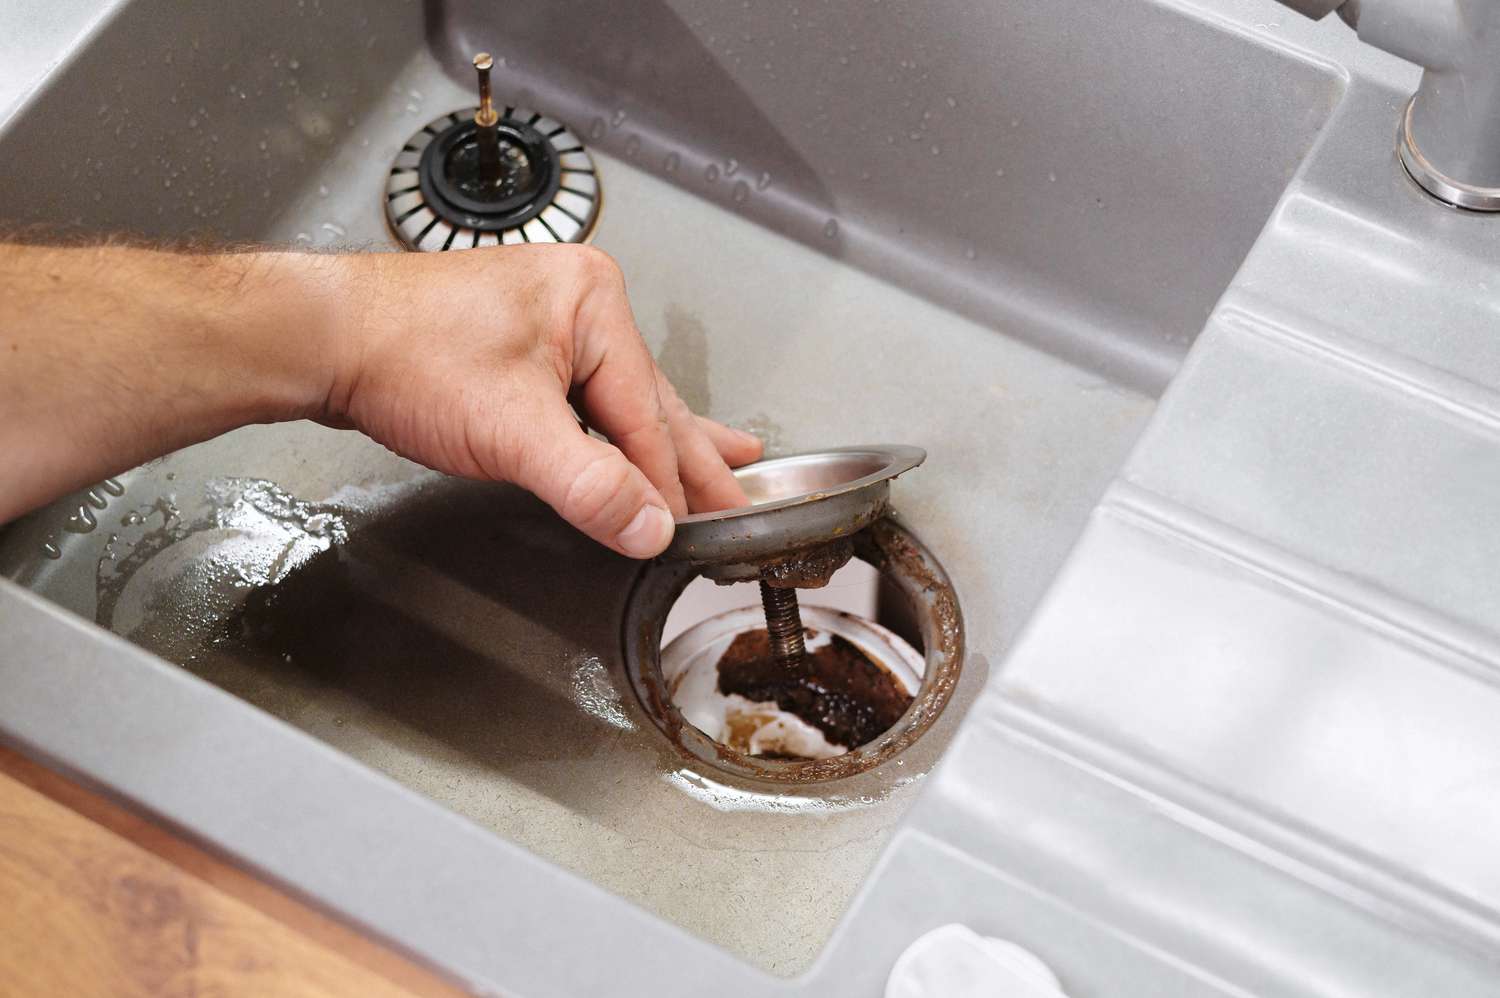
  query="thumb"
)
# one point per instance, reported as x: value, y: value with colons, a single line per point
x: 592, y: 484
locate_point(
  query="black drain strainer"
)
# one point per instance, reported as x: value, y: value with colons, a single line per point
x: 546, y: 190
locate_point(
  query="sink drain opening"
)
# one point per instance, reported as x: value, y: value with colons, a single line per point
x: 858, y: 589
x: 884, y: 648
x: 858, y: 678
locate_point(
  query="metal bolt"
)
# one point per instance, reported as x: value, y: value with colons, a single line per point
x: 783, y: 623
x: 486, y: 114
x: 485, y: 120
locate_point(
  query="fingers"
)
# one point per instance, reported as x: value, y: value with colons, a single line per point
x: 624, y: 396
x: 736, y: 447
x: 615, y: 381
x: 707, y: 481
x: 590, y: 483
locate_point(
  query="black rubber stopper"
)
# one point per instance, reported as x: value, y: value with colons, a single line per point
x: 448, y: 175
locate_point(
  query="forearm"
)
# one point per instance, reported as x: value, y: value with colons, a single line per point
x: 110, y: 355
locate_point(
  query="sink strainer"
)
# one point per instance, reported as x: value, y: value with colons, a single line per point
x: 485, y: 178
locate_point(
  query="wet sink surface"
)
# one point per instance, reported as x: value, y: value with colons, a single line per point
x: 455, y: 635
x: 466, y: 642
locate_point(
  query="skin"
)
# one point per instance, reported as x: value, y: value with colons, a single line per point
x: 467, y: 363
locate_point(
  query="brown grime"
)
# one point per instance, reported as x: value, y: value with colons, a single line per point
x: 810, y: 568
x: 836, y: 688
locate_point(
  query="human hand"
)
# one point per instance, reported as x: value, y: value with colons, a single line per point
x: 467, y: 362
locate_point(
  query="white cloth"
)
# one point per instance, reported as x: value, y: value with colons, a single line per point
x: 954, y: 961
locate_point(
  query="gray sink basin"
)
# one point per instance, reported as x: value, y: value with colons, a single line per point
x: 992, y: 230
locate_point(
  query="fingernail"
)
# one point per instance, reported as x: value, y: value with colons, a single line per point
x: 647, y: 534
x: 747, y: 436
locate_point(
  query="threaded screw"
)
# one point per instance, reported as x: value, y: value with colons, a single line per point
x: 783, y: 623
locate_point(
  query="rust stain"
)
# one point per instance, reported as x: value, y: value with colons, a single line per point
x: 810, y: 568
x: 895, y: 553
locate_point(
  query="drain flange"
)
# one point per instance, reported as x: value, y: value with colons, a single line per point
x: 898, y: 556
x: 548, y: 191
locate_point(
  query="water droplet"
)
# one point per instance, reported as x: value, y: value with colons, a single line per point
x: 619, y: 117
x: 294, y: 64
x: 763, y: 181
x: 334, y: 229
x: 935, y: 150
x: 952, y: 102
x: 82, y: 521
x: 711, y: 173
x: 732, y: 167
x: 596, y: 128
x: 322, y: 191
x: 414, y: 94
x: 831, y: 228
x: 741, y: 192
x: 51, y: 550
x: 1015, y: 122
x: 113, y: 487
x: 1051, y: 178
x: 632, y: 146
x: 1000, y: 171
x: 303, y: 237
x: 969, y: 253
x: 671, y: 162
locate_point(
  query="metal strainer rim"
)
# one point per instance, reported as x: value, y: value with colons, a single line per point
x: 899, y: 459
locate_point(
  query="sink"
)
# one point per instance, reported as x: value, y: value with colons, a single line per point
x: 992, y: 230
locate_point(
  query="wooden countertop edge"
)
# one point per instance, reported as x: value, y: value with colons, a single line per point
x: 40, y: 808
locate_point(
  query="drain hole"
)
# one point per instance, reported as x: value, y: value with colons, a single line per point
x: 884, y: 646
x: 859, y: 677
x: 857, y: 588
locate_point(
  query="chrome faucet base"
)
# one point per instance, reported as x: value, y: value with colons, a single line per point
x: 1434, y: 181
x: 1456, y: 110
